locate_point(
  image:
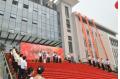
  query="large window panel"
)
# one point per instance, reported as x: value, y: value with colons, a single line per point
x: 70, y: 47
x: 29, y: 16
x: 8, y: 7
x: 1, y: 19
x: 2, y: 5
x: 35, y: 15
x: 26, y: 1
x: 35, y: 6
x: 24, y: 27
x: 52, y: 35
x: 44, y: 34
x: 6, y: 21
x: 30, y: 8
x: 21, y: 1
x: 67, y: 12
x: 39, y: 32
x: 29, y: 28
x: 34, y: 29
x: 48, y: 35
x: 18, y: 26
x: 14, y: 9
x: 56, y: 36
x: 25, y: 13
x: 19, y: 12
x: 12, y: 24
x: 39, y: 24
x: 20, y: 5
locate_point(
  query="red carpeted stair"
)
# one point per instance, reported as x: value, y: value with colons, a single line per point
x: 72, y: 71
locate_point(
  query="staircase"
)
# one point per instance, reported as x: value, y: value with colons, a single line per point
x: 72, y: 71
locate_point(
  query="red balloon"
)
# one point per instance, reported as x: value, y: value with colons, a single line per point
x: 116, y: 5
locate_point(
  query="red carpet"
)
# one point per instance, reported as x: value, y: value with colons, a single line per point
x: 73, y: 71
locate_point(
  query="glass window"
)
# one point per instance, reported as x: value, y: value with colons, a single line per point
x: 17, y: 28
x: 15, y: 2
x: 2, y: 6
x: 25, y: 6
x: 1, y: 17
x: 69, y: 30
x: 4, y: 0
x: 66, y: 11
x: 1, y: 13
x: 68, y: 23
x: 12, y: 23
x: 24, y: 26
x: 70, y: 47
x: 70, y: 38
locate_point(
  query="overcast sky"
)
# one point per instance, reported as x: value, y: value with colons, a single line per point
x: 102, y: 11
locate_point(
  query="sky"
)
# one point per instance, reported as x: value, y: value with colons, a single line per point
x: 102, y: 11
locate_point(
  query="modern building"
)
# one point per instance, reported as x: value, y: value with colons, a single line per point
x: 52, y: 23
x: 31, y: 21
x: 64, y: 8
x: 94, y: 39
x: 46, y: 22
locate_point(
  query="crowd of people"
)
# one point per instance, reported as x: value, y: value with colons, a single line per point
x: 100, y: 63
x: 49, y: 57
x: 19, y: 64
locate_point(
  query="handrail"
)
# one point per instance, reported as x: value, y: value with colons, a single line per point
x: 10, y: 75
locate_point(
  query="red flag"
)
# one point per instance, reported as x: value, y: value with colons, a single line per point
x: 116, y: 5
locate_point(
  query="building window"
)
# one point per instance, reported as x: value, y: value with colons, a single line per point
x: 26, y: 6
x: 70, y: 47
x: 87, y: 32
x: 1, y: 13
x: 68, y: 23
x: 69, y: 30
x: 15, y: 2
x: 66, y: 11
x: 70, y: 38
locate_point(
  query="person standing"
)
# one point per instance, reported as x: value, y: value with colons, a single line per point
x: 40, y: 57
x: 59, y: 59
x: 19, y: 66
x: 98, y: 62
x: 108, y: 65
x: 30, y: 72
x: 102, y: 64
x: 54, y: 57
x: 89, y: 60
x: 23, y: 67
x: 44, y: 57
x: 40, y: 70
x: 94, y: 64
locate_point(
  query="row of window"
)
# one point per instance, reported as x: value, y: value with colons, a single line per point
x: 14, y: 19
x: 115, y: 54
x: 113, y: 42
x: 70, y: 45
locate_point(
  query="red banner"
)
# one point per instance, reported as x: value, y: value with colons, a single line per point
x: 31, y: 50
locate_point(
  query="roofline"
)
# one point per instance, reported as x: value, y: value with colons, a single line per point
x: 99, y: 25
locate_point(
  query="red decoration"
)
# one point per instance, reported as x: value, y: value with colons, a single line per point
x: 116, y: 5
x: 31, y: 50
